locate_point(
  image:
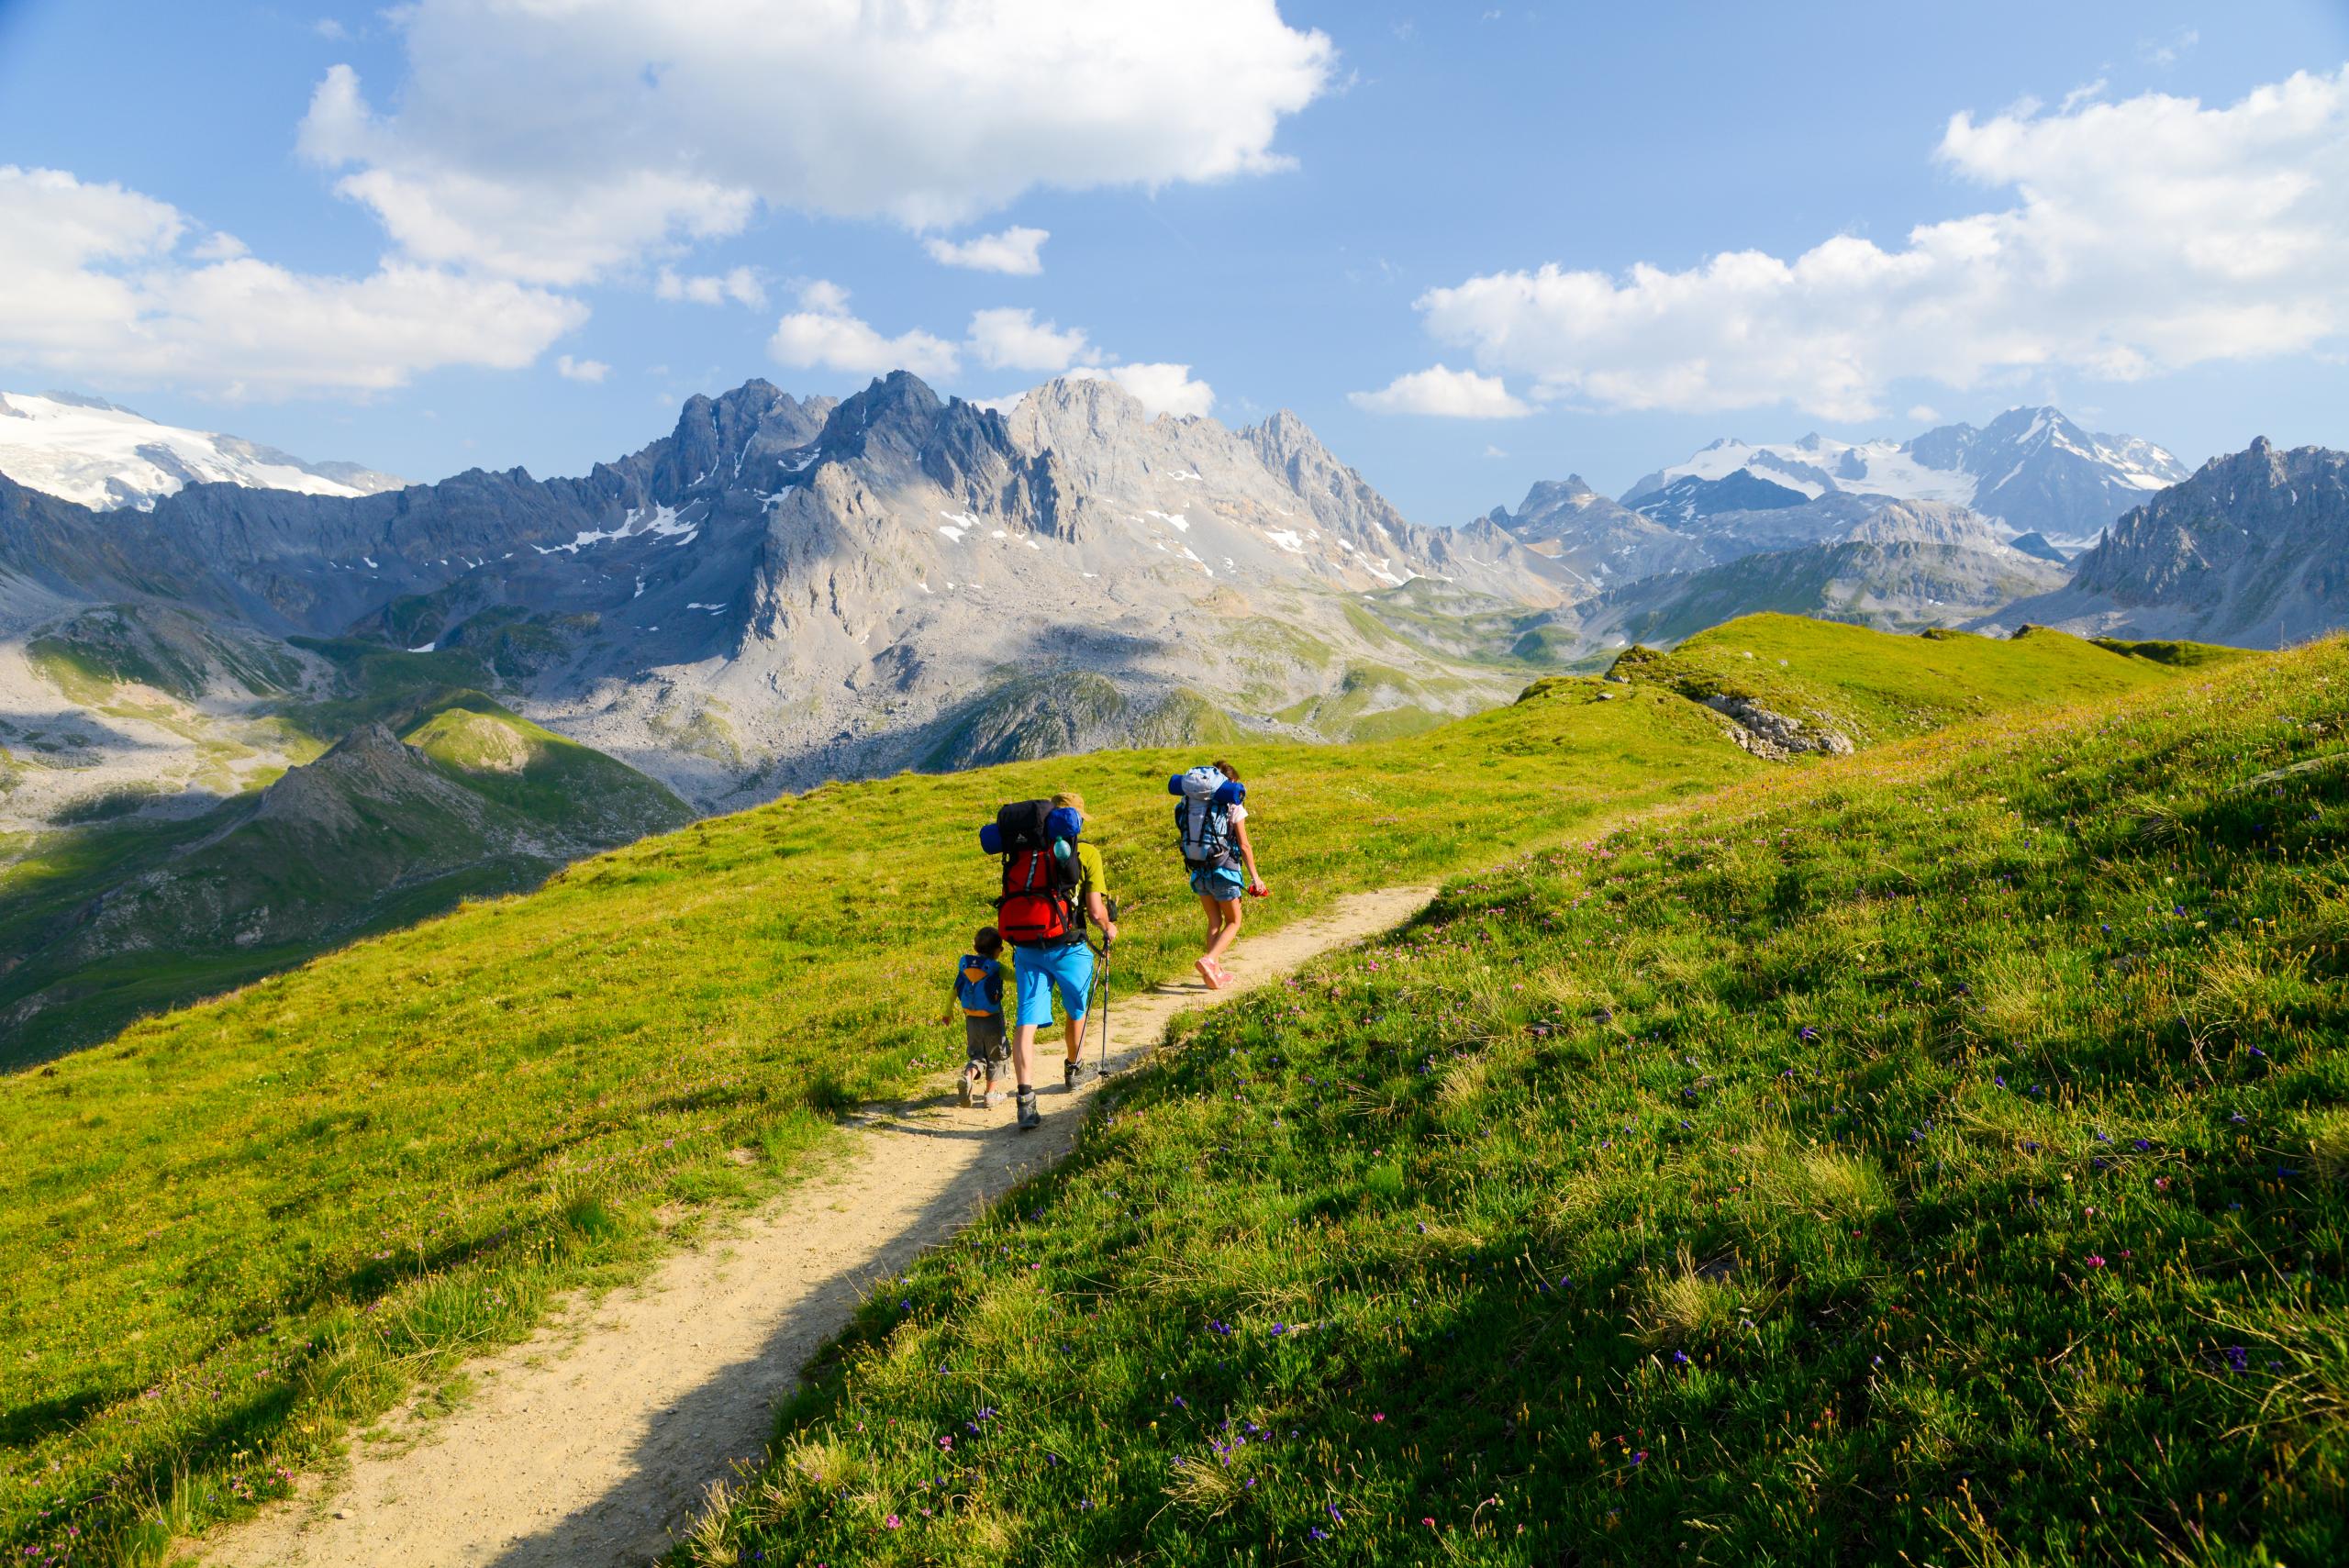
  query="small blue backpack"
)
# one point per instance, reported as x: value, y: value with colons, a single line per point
x: 971, y: 983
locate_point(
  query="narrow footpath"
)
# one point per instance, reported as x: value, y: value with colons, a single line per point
x: 594, y: 1444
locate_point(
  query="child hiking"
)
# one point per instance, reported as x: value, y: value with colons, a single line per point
x: 1212, y: 820
x: 978, y: 989
x: 1053, y: 885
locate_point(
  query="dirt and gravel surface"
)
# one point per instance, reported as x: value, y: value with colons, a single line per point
x: 594, y: 1444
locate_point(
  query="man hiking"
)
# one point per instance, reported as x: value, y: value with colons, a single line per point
x: 1062, y: 963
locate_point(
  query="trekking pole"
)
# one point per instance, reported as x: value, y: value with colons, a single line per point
x: 1108, y: 946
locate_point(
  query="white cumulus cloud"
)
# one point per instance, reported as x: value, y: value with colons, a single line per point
x: 582, y: 369
x: 1439, y: 390
x: 1018, y: 251
x: 1161, y: 388
x: 100, y: 283
x: 742, y: 285
x: 823, y: 334
x: 2141, y: 236
x: 1009, y: 339
x: 553, y: 140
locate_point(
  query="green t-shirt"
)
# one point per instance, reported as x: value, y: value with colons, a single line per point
x: 1091, y: 877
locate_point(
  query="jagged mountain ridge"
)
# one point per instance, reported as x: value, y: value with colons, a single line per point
x: 1896, y: 566
x: 1595, y: 539
x: 782, y: 591
x: 2253, y: 549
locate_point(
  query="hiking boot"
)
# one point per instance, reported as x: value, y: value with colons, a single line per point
x: 1030, y: 1117
x: 965, y: 1087
x: 1072, y: 1074
x: 992, y: 1098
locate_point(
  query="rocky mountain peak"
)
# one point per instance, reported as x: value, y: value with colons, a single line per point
x: 1288, y: 445
x: 2254, y: 540
x: 1546, y: 494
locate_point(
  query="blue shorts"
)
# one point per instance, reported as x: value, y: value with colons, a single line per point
x: 1219, y: 883
x: 1067, y: 967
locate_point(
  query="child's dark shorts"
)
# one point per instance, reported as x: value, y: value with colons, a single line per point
x: 983, y: 1034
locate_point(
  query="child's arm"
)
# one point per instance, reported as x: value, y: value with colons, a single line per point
x: 1247, y: 852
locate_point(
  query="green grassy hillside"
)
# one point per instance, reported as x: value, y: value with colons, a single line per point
x: 235, y: 1228
x: 1938, y: 1156
x: 107, y: 921
x: 1873, y: 687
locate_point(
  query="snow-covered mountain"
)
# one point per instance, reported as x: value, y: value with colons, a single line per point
x: 87, y: 451
x: 2032, y: 469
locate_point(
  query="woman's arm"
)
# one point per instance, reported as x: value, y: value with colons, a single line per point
x: 1247, y: 852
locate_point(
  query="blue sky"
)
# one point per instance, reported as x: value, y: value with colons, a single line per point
x: 422, y: 243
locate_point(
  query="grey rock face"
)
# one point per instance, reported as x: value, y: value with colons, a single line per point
x: 1689, y: 499
x: 1898, y: 566
x: 1775, y: 735
x: 1597, y: 542
x: 782, y: 591
x: 2253, y: 550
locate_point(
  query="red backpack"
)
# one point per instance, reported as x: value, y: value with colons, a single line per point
x: 1039, y: 903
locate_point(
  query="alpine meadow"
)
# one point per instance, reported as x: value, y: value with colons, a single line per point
x: 1256, y: 783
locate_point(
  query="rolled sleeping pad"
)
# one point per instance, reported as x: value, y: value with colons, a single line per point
x: 1200, y: 784
x: 991, y: 839
x: 1063, y: 822
x: 1233, y: 792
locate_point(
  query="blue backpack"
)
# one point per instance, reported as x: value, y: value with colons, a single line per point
x: 1203, y: 817
x: 978, y: 984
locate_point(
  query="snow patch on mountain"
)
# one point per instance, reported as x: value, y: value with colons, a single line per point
x: 106, y: 458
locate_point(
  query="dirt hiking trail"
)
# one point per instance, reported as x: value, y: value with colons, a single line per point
x: 594, y: 1444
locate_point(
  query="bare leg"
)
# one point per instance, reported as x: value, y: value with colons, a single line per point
x: 1206, y: 965
x: 1023, y: 1055
x: 1220, y: 944
x: 1075, y: 1039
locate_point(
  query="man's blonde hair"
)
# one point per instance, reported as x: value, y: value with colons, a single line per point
x: 1071, y: 799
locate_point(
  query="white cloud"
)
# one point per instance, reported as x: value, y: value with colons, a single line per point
x: 329, y: 29
x: 582, y: 369
x: 1016, y: 251
x: 1450, y: 393
x: 2145, y: 235
x: 97, y: 285
x: 2166, y: 51
x: 556, y: 140
x: 1925, y: 414
x: 1008, y: 339
x: 741, y: 284
x: 1161, y: 388
x: 2087, y: 92
x: 1494, y: 452
x: 823, y: 335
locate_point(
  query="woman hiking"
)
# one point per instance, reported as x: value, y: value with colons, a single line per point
x: 1221, y: 859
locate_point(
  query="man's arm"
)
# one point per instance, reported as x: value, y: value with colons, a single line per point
x: 1095, y: 908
